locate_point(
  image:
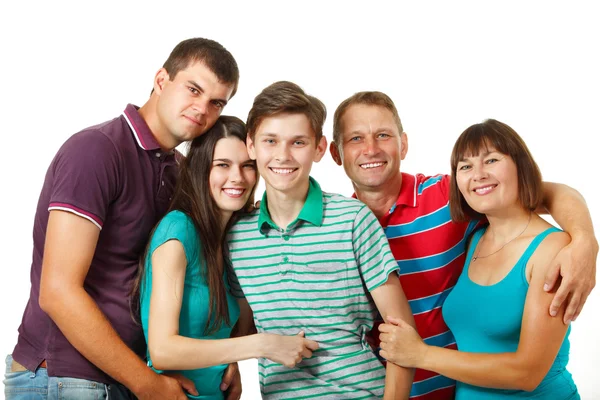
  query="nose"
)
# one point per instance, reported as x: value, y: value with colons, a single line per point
x: 236, y: 175
x: 479, y: 172
x: 200, y: 106
x: 370, y: 147
x: 282, y: 152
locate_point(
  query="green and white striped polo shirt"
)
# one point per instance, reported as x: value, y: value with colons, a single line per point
x: 316, y: 276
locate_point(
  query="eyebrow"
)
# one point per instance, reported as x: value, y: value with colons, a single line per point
x: 197, y: 86
x: 222, y: 160
x: 484, y: 155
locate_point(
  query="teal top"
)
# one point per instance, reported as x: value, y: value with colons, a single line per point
x: 195, y: 302
x: 487, y: 319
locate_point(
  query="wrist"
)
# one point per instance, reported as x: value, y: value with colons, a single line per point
x: 260, y: 344
x: 585, y: 239
x: 139, y: 383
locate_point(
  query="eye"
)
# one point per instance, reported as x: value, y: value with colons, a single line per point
x: 383, y: 136
x: 269, y: 141
x: 250, y: 166
x: 491, y: 160
x: 222, y: 165
x: 218, y: 104
x: 464, y: 167
x: 299, y: 142
x: 355, y: 139
x: 193, y: 90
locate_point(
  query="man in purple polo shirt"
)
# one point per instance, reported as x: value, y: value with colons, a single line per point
x: 106, y: 188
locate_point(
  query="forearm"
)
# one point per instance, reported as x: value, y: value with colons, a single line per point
x: 182, y: 353
x: 398, y: 382
x: 502, y: 371
x: 569, y: 209
x: 87, y: 329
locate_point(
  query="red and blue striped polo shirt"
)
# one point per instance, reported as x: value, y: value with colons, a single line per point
x: 430, y: 250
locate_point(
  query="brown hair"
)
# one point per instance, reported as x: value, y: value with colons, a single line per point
x: 193, y: 197
x: 286, y: 97
x: 367, y: 98
x: 210, y: 53
x: 492, y: 133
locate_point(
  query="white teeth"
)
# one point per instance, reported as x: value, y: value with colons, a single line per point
x: 282, y: 171
x: 371, y: 165
x: 234, y: 192
x: 484, y: 190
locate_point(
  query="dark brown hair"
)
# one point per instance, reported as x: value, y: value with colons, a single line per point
x: 286, y: 97
x: 504, y: 139
x: 367, y: 98
x: 210, y: 53
x: 193, y: 197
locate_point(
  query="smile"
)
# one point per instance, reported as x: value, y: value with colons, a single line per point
x: 484, y: 189
x: 234, y: 192
x: 282, y: 171
x: 372, y: 165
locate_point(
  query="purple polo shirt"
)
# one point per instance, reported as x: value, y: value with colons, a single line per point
x: 116, y: 176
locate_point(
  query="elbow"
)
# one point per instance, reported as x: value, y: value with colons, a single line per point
x: 159, y: 355
x: 529, y: 380
x: 50, y: 297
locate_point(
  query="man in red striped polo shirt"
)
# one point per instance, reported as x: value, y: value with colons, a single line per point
x: 369, y: 141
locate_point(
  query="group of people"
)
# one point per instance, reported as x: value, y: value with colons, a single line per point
x: 153, y: 273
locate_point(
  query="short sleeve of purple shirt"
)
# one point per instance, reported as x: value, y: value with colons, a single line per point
x: 86, y: 176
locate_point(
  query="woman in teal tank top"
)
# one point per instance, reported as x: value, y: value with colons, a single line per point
x: 508, y: 344
x: 189, y: 297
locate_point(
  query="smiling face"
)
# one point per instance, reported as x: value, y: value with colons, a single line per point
x: 371, y: 147
x: 284, y: 147
x: 232, y: 175
x: 189, y: 104
x: 488, y: 181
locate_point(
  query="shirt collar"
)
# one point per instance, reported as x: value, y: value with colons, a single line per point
x: 408, y: 191
x: 142, y: 133
x: 312, y: 210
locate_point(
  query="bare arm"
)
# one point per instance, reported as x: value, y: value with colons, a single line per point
x: 576, y: 263
x: 68, y: 252
x: 171, y: 351
x: 540, y: 339
x: 391, y: 301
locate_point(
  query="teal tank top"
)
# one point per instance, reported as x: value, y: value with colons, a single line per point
x: 195, y: 301
x: 487, y: 319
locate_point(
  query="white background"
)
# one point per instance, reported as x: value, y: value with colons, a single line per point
x: 447, y: 65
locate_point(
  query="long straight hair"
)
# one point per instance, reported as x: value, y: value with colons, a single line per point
x: 193, y: 197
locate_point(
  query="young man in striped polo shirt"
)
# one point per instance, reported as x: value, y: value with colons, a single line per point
x: 368, y: 140
x: 313, y: 263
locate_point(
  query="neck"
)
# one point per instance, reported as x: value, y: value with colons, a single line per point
x: 382, y: 198
x: 149, y: 113
x: 284, y: 207
x: 508, y: 224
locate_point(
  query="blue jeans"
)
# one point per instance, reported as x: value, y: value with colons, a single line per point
x: 34, y: 385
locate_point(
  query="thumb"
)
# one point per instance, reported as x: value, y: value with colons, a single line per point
x: 395, y: 321
x: 551, y: 277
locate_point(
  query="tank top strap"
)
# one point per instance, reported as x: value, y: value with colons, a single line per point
x: 524, y: 259
x: 473, y: 244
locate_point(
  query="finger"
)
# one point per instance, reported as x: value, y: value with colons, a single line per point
x: 383, y: 354
x: 385, y: 328
x: 551, y: 277
x: 581, y: 304
x: 383, y: 337
x: 306, y: 353
x: 559, y: 298
x: 257, y: 204
x: 227, y: 377
x: 186, y: 384
x: 301, y: 333
x: 572, y: 306
x: 311, y: 344
x: 395, y: 321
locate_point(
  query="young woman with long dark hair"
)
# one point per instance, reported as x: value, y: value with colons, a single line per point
x: 189, y: 298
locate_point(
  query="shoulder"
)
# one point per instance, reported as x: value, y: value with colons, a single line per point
x: 334, y: 200
x: 175, y: 222
x: 548, y: 248
x: 423, y: 182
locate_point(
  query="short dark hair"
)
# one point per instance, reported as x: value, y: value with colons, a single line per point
x: 372, y: 98
x: 492, y: 133
x: 210, y: 53
x: 286, y: 97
